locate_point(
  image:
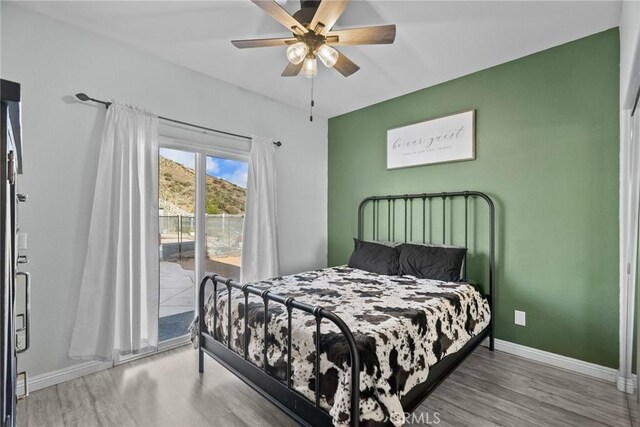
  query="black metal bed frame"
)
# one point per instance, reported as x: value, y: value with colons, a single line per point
x: 282, y: 394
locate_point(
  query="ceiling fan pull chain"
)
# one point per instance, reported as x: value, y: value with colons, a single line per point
x: 312, y: 102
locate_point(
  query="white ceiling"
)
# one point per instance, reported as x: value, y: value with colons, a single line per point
x: 435, y: 42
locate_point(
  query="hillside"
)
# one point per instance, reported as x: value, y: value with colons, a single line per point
x: 177, y: 186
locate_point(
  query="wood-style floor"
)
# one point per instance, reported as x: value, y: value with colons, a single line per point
x: 166, y: 390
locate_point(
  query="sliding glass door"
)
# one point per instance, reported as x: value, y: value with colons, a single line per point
x: 177, y: 197
x: 202, y: 198
x: 226, y: 188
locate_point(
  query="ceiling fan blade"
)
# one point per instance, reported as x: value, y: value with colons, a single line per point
x: 244, y: 44
x: 292, y: 70
x: 382, y: 34
x: 327, y: 14
x: 345, y: 66
x: 282, y: 16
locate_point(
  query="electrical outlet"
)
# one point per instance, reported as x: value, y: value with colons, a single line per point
x: 520, y: 318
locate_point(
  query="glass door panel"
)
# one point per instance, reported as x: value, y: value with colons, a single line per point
x: 177, y: 194
x: 225, y: 198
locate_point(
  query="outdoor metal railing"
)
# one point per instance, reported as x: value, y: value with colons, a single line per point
x: 223, y: 234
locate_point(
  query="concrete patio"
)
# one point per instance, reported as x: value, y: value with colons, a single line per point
x: 177, y: 282
x: 177, y: 289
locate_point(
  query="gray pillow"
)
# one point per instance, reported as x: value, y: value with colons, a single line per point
x: 431, y: 262
x: 464, y: 259
x: 435, y: 245
x: 374, y: 257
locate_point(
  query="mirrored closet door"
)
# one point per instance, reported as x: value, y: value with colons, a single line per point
x: 633, y: 399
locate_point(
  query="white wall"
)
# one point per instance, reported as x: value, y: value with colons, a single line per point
x: 53, y: 61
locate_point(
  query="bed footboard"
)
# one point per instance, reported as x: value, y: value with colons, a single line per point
x: 283, y: 395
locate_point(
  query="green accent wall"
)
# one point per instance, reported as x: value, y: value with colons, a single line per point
x: 547, y: 139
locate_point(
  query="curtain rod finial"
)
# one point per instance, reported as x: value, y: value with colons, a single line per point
x: 277, y: 143
x: 82, y: 96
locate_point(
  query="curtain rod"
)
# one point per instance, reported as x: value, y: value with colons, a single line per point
x: 84, y: 97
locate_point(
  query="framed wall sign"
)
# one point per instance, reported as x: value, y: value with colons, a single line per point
x: 443, y: 139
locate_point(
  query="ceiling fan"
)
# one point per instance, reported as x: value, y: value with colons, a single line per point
x: 313, y: 38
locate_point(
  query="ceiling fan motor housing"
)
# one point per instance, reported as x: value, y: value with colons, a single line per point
x: 309, y: 3
x: 307, y: 11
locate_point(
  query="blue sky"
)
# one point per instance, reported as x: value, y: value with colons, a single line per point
x: 234, y: 171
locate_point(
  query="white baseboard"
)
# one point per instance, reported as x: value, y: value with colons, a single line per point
x: 48, y: 379
x: 627, y: 385
x: 566, y: 363
x: 81, y: 369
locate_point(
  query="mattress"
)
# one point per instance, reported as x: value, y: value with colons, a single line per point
x: 402, y: 326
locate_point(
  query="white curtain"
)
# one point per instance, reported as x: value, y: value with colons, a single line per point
x: 118, y: 308
x: 259, y: 243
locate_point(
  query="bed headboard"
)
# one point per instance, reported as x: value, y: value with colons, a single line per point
x: 439, y: 218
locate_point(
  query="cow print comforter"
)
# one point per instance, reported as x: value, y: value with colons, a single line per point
x: 402, y: 326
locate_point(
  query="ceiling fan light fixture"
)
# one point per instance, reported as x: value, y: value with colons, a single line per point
x: 310, y: 67
x: 328, y: 55
x: 310, y: 29
x: 297, y: 52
